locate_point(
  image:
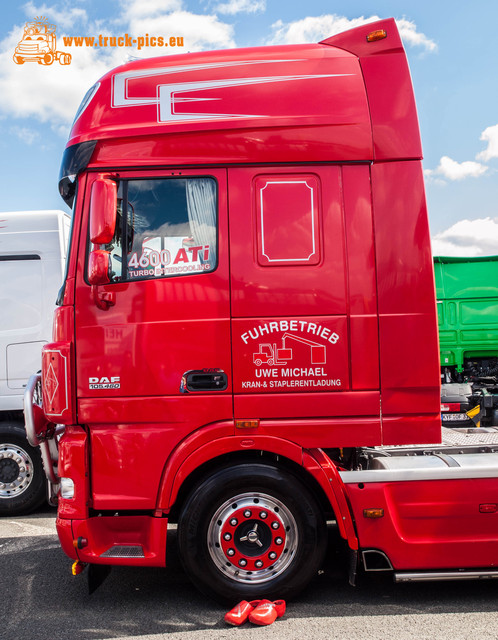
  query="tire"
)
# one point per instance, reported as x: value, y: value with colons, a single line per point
x: 251, y: 531
x: 47, y: 59
x: 22, y: 479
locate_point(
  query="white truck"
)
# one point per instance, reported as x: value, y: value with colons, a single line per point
x: 32, y: 261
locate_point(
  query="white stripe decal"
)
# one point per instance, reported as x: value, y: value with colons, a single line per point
x: 170, y: 95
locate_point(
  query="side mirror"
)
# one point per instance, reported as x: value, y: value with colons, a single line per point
x: 103, y: 204
x: 98, y: 267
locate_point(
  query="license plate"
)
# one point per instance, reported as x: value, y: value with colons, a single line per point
x: 454, y: 417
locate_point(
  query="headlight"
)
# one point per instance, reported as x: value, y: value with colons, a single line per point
x: 67, y: 488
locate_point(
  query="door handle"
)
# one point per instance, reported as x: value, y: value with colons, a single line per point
x: 204, y: 380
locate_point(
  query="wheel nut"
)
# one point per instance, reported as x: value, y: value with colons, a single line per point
x: 10, y: 455
x: 231, y: 552
x: 18, y: 460
x: 272, y: 555
x: 263, y: 515
x: 234, y: 522
x: 247, y: 513
x: 242, y: 562
x: 258, y: 564
x: 275, y: 525
x: 278, y: 540
x: 2, y: 486
x: 227, y: 537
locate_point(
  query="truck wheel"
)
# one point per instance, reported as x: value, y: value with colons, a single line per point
x: 251, y: 531
x: 18, y: 60
x: 48, y: 58
x: 22, y: 479
x: 65, y: 58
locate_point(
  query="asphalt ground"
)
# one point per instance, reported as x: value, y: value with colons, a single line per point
x: 40, y: 599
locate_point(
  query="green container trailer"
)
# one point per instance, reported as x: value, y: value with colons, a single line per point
x: 467, y: 302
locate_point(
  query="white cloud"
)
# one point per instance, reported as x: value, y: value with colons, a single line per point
x: 136, y: 9
x: 49, y: 93
x: 198, y: 31
x: 26, y: 134
x: 489, y: 135
x: 240, y: 6
x: 64, y: 17
x: 314, y: 29
x: 169, y: 18
x: 477, y: 237
x: 453, y: 170
x: 410, y: 35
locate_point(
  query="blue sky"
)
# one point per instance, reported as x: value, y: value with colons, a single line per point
x: 451, y: 48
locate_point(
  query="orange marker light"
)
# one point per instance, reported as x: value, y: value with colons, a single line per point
x: 246, y: 424
x: 373, y: 36
x: 80, y: 542
x: 373, y: 513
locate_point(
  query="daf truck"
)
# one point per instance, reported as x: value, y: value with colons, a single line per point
x: 295, y: 171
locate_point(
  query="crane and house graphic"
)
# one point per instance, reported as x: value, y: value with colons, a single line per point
x: 271, y: 354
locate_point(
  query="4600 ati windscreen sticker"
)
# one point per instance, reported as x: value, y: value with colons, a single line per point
x: 156, y: 262
x: 290, y: 354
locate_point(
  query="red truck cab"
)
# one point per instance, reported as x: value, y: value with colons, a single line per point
x: 294, y: 173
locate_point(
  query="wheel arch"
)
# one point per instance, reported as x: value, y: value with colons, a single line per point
x: 204, y: 453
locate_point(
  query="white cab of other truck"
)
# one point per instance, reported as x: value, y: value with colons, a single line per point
x: 33, y: 248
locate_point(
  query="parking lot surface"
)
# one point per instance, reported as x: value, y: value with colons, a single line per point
x: 39, y: 598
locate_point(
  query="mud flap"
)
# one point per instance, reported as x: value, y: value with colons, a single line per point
x: 97, y: 573
x: 353, y: 566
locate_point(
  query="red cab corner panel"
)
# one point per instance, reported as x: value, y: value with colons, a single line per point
x: 73, y: 463
x: 65, y: 533
x: 57, y: 376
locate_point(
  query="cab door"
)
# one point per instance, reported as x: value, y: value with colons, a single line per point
x: 153, y: 361
x: 304, y: 303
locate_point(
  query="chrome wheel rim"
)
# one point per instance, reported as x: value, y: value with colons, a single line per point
x: 16, y: 470
x: 252, y: 538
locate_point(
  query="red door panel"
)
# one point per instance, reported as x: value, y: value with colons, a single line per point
x: 304, y: 326
x: 170, y: 316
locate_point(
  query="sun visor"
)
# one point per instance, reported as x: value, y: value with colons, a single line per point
x: 75, y: 159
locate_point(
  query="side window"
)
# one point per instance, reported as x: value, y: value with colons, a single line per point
x: 169, y: 228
